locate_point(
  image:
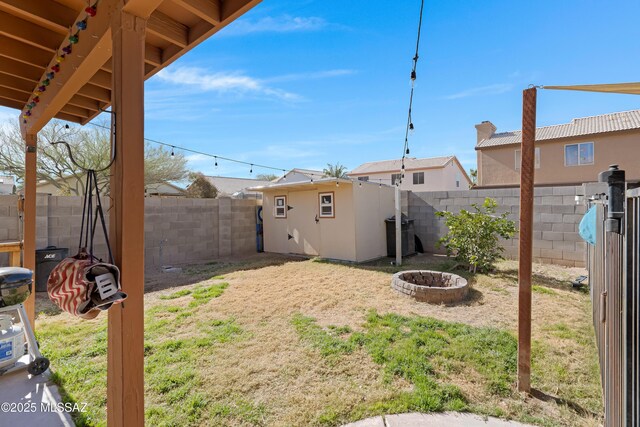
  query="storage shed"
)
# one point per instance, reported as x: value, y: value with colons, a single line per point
x: 332, y: 218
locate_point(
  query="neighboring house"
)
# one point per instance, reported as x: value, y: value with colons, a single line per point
x: 328, y: 217
x: 565, y: 154
x: 236, y: 187
x: 299, y: 175
x: 430, y: 174
x: 7, y: 184
x: 164, y: 189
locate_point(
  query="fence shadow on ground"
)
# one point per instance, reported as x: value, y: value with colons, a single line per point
x: 196, y: 273
x: 538, y: 279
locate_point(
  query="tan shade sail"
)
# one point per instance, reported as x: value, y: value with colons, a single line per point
x: 628, y: 88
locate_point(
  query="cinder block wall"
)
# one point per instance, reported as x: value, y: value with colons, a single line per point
x: 176, y: 230
x: 556, y: 218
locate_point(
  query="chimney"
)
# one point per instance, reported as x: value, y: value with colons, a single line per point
x: 486, y: 129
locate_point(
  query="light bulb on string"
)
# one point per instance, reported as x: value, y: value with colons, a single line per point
x: 337, y: 183
x: 216, y: 158
x: 172, y: 153
x: 412, y: 129
x: 251, y: 170
x: 407, y: 152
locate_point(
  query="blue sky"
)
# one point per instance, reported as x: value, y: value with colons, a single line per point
x: 304, y: 83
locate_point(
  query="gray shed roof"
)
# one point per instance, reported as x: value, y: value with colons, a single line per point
x: 613, y: 122
x: 395, y: 165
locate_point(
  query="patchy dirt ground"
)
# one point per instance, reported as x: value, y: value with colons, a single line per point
x: 269, y: 377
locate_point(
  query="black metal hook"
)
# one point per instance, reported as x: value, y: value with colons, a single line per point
x: 113, y: 154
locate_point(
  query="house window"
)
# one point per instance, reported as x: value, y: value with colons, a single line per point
x: 458, y: 178
x: 418, y: 178
x: 395, y: 177
x: 518, y: 159
x: 578, y: 154
x: 326, y: 205
x: 280, y: 206
x: 363, y: 178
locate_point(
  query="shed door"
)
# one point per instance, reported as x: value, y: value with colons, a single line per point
x: 303, y: 230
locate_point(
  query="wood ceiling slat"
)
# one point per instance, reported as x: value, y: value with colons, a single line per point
x: 13, y: 82
x: 84, y: 102
x: 49, y: 14
x: 28, y: 32
x: 11, y: 104
x: 76, y: 111
x: 14, y: 95
x: 168, y: 29
x: 209, y: 10
x: 95, y: 92
x: 153, y: 55
x: 20, y: 70
x: 102, y: 79
x: 13, y: 49
x: 70, y: 118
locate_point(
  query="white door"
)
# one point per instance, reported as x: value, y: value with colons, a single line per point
x: 303, y: 227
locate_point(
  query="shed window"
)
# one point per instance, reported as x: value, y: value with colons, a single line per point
x: 280, y: 206
x: 363, y: 178
x: 519, y: 161
x: 578, y: 154
x: 327, y: 208
x: 395, y: 177
x: 418, y: 178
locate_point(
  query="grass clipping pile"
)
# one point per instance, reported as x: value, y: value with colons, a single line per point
x: 271, y: 341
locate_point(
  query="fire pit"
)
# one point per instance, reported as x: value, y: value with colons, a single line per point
x: 431, y: 286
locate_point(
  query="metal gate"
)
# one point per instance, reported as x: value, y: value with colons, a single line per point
x: 614, y: 276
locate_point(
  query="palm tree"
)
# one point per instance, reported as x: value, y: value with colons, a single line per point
x: 335, y: 171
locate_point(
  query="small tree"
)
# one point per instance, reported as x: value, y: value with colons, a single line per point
x: 266, y: 176
x: 201, y: 187
x: 473, y: 236
x: 335, y: 171
x: 473, y: 174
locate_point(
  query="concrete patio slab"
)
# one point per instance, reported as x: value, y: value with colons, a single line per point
x: 446, y: 419
x: 27, y: 400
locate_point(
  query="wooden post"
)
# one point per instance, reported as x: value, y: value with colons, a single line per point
x: 125, y: 376
x: 398, y: 224
x: 526, y: 237
x: 29, y: 224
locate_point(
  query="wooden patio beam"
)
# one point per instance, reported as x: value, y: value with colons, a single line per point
x: 209, y: 10
x: 29, y: 218
x: 525, y: 248
x: 84, y: 102
x: 28, y: 32
x: 70, y: 118
x: 11, y: 103
x: 125, y: 370
x: 101, y: 79
x: 20, y: 70
x: 168, y: 29
x: 88, y: 55
x: 95, y: 92
x: 52, y: 15
x: 15, y: 83
x: 22, y: 52
x: 231, y: 9
x: 14, y: 95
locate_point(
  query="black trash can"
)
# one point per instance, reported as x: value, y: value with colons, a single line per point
x: 407, y: 233
x: 46, y: 260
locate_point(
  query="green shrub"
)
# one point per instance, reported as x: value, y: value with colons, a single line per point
x: 473, y: 236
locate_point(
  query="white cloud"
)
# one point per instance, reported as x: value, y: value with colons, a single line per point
x: 494, y: 89
x: 310, y: 76
x: 280, y: 24
x: 223, y: 82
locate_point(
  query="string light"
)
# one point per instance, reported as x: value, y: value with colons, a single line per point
x: 410, y: 128
x: 91, y: 11
x: 251, y: 170
x: 172, y: 153
x: 216, y: 157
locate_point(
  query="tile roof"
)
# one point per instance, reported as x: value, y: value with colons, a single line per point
x: 613, y: 122
x: 395, y: 165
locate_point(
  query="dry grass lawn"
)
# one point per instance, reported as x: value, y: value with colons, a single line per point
x: 223, y: 349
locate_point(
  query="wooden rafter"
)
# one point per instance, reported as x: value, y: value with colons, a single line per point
x: 48, y: 14
x: 13, y: 49
x: 168, y: 29
x: 13, y: 94
x: 209, y: 10
x: 95, y: 92
x: 20, y: 70
x: 28, y: 32
x: 13, y: 82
